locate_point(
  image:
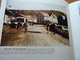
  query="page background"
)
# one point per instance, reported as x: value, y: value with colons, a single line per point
x: 75, y: 24
x: 2, y: 12
x: 61, y: 53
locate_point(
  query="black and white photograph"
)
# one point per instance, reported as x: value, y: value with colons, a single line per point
x: 35, y: 28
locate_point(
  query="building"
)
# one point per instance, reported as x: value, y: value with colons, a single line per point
x: 40, y: 18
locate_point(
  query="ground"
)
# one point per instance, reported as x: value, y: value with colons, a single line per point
x: 35, y: 36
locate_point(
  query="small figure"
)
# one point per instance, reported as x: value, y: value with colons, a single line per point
x: 19, y: 24
x: 25, y: 25
x: 48, y: 24
x: 52, y: 28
